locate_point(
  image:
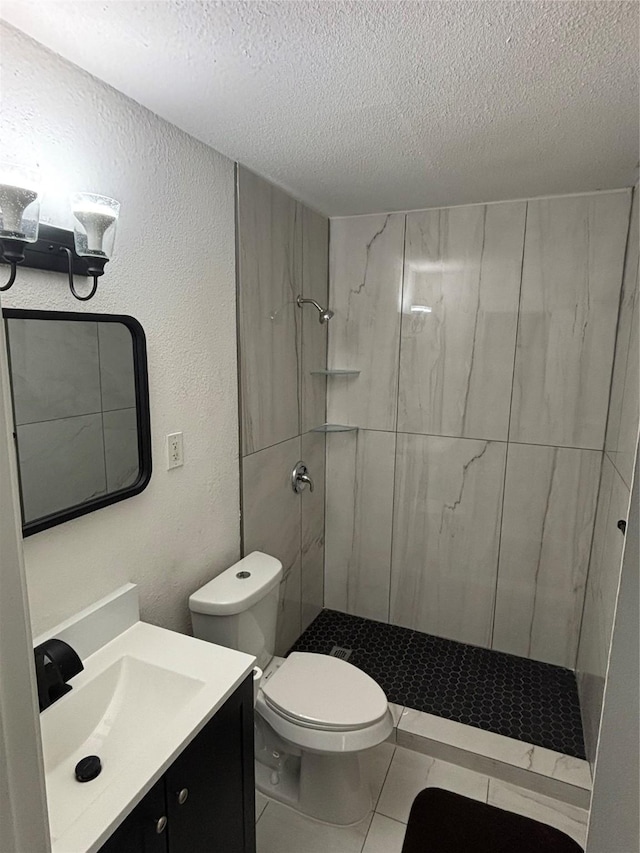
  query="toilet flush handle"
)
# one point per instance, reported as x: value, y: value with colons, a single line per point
x: 300, y: 478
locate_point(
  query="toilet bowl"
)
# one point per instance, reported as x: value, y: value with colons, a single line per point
x: 314, y: 714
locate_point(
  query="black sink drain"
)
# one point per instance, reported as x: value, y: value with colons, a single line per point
x: 88, y: 768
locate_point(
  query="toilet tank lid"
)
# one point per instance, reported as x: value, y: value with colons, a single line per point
x: 238, y: 587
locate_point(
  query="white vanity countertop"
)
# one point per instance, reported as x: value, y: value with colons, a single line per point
x: 142, y: 697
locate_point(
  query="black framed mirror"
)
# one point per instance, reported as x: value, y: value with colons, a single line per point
x: 81, y: 416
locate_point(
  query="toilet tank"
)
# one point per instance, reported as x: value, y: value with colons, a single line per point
x: 239, y: 608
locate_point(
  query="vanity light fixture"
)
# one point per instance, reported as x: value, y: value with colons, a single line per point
x: 420, y: 309
x: 83, y: 251
x: 19, y: 213
x: 94, y: 233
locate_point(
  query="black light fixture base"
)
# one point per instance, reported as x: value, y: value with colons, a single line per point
x: 46, y: 254
x: 12, y: 250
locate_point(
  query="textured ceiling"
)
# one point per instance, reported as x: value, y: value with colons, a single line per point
x: 358, y: 107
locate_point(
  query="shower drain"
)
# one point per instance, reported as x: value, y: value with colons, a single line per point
x: 339, y: 652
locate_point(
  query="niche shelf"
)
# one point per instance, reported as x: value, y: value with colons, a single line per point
x: 331, y: 372
x: 334, y: 428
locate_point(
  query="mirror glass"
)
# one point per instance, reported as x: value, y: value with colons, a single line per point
x: 81, y: 412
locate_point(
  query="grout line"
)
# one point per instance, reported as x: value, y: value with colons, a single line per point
x: 384, y: 781
x: 239, y: 384
x: 485, y: 439
x: 506, y: 456
x: 366, y: 835
x: 326, y: 403
x: 604, y: 442
x: 269, y: 446
x: 300, y: 388
x: 606, y: 454
x: 395, y: 431
x: 619, y: 319
x: 394, y: 819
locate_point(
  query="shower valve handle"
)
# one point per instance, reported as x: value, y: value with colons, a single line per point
x: 300, y: 478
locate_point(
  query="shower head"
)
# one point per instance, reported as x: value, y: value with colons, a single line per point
x: 325, y: 313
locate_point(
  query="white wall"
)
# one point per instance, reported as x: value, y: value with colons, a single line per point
x: 23, y: 808
x: 174, y: 270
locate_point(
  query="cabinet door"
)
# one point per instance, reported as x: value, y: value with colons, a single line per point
x: 216, y: 772
x: 139, y: 831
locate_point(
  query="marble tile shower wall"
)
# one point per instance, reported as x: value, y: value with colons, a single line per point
x: 282, y: 251
x: 464, y: 506
x: 613, y: 499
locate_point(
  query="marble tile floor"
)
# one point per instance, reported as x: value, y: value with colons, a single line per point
x: 397, y: 775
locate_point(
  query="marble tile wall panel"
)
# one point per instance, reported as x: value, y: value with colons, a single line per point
x: 54, y: 369
x: 547, y: 526
x: 61, y: 464
x: 283, y: 252
x: 117, y: 378
x: 269, y: 251
x: 366, y: 259
x: 271, y: 523
x: 622, y: 423
x: 446, y: 526
x: 456, y: 360
x: 121, y: 448
x: 600, y: 599
x: 360, y: 468
x: 315, y: 285
x: 572, y: 272
x: 313, y: 535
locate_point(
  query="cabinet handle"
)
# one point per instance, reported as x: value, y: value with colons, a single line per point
x: 161, y: 824
x: 182, y: 796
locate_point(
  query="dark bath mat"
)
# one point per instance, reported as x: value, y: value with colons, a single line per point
x: 442, y: 822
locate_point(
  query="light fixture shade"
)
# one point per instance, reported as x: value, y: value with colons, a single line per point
x: 19, y: 202
x: 94, y: 229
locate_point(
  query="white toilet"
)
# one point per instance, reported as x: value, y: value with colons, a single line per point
x: 315, y: 714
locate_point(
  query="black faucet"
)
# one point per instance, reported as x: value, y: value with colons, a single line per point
x: 56, y: 663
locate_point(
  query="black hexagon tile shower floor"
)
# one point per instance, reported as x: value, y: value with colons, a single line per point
x: 522, y: 699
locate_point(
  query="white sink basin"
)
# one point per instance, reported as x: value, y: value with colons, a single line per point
x: 112, y: 716
x: 138, y: 702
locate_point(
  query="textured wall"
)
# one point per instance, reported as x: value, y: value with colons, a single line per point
x: 464, y: 505
x: 386, y: 105
x: 283, y: 252
x: 613, y: 498
x: 173, y: 269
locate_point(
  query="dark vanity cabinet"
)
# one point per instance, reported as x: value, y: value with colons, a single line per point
x: 204, y: 803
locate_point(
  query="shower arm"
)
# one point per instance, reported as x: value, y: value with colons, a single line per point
x: 325, y: 313
x: 313, y: 302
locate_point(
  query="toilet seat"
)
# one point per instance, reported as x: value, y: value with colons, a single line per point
x: 325, y: 693
x: 325, y: 704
